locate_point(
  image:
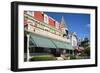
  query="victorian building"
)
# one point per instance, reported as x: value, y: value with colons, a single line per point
x: 45, y: 35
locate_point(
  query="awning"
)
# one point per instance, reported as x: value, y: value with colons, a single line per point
x: 69, y: 46
x: 59, y: 44
x: 42, y: 41
x: 63, y: 45
x: 31, y: 43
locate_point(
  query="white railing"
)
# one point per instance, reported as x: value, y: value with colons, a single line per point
x: 44, y: 33
x: 47, y: 34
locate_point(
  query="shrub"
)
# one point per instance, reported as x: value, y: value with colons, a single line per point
x: 72, y: 57
x: 43, y: 58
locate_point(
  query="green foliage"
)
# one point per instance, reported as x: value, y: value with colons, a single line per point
x: 43, y: 58
x: 72, y: 57
x: 86, y: 45
x: 87, y: 51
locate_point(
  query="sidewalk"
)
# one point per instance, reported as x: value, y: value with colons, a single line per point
x: 59, y: 58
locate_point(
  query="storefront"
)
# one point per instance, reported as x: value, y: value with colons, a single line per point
x: 40, y: 45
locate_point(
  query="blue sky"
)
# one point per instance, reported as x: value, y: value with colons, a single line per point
x: 79, y: 23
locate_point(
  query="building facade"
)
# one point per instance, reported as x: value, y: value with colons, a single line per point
x: 45, y: 35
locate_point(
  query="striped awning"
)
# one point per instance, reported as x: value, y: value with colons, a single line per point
x: 45, y: 42
x: 41, y: 41
x: 63, y: 45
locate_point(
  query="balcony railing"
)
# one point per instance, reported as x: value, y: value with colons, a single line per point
x: 58, y: 35
x: 46, y: 34
x: 42, y: 23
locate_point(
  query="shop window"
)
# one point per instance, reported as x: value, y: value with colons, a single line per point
x: 39, y: 50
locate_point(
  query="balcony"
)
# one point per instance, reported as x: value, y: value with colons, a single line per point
x: 58, y: 35
x: 41, y: 32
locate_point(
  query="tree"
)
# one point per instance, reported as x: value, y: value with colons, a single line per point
x: 86, y: 44
x: 87, y: 51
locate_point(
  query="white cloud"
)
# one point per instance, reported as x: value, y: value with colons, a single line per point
x: 87, y: 25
